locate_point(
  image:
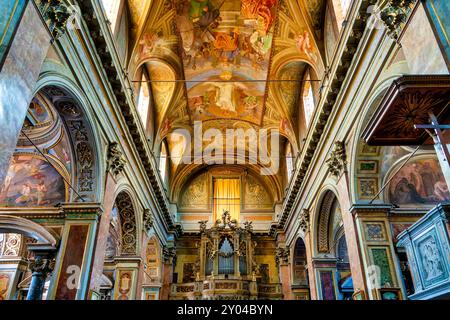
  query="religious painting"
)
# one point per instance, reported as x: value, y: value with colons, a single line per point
x: 4, y: 286
x: 367, y: 188
x: 9, y: 20
x: 227, y: 47
x: 62, y: 152
x: 375, y: 231
x: 188, y: 272
x: 438, y: 11
x: 38, y: 111
x: 430, y: 260
x: 327, y: 285
x: 419, y: 182
x: 32, y: 181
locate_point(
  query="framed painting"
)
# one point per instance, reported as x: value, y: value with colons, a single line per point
x: 390, y: 294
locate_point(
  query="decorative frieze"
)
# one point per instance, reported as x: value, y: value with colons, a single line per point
x: 56, y: 14
x: 169, y: 255
x: 282, y: 255
x: 338, y: 159
x: 304, y: 220
x: 42, y: 265
x: 116, y: 160
x: 395, y: 16
x: 148, y: 220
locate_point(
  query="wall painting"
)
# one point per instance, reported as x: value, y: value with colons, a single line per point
x: 419, y: 182
x: 32, y: 181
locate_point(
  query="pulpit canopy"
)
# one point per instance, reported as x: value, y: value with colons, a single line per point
x: 408, y: 102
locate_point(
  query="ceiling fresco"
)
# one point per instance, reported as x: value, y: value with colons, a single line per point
x: 226, y: 47
x: 210, y: 60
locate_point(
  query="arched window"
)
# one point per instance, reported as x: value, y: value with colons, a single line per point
x: 340, y: 11
x: 111, y: 8
x: 308, y: 99
x: 300, y: 265
x: 289, y: 162
x: 163, y: 162
x: 144, y: 100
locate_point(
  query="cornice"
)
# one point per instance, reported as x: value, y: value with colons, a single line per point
x: 124, y: 100
x: 336, y: 79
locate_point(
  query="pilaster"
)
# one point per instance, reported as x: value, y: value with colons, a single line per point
x: 74, y: 262
x: 381, y: 267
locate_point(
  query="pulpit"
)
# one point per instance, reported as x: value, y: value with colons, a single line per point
x: 428, y: 248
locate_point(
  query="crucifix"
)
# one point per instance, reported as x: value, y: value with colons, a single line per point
x: 434, y: 129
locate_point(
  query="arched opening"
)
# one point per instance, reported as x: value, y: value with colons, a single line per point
x: 121, y: 243
x: 332, y: 266
x: 300, y: 274
x: 289, y: 162
x: 163, y: 162
x: 17, y: 235
x: 54, y: 163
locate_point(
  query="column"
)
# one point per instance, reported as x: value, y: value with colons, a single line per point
x: 282, y: 258
x: 381, y: 268
x: 169, y: 260
x: 311, y: 275
x: 18, y: 77
x: 74, y: 262
x: 41, y: 267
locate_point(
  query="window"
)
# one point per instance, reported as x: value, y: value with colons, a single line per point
x: 340, y: 10
x: 289, y: 162
x: 345, y: 4
x: 308, y: 100
x: 144, y: 101
x: 163, y: 162
x: 227, y: 197
x: 111, y: 8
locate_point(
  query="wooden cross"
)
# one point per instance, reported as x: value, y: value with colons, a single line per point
x: 439, y: 144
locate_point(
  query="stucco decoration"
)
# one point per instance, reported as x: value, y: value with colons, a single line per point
x: 196, y: 194
x: 128, y: 224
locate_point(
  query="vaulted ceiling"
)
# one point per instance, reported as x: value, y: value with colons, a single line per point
x: 220, y: 61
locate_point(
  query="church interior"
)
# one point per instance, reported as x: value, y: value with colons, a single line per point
x: 224, y: 150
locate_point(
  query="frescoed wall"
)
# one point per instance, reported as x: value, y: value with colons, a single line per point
x: 31, y: 181
x: 420, y: 181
